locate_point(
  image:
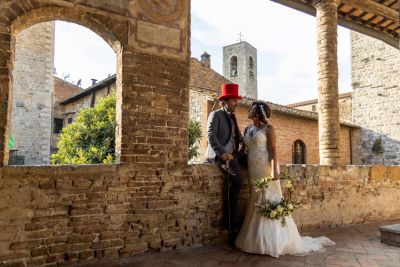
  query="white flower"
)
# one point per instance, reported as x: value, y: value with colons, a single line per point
x: 279, y: 209
x: 288, y: 184
x: 273, y: 214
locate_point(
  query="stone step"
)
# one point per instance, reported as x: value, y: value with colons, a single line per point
x: 390, y: 234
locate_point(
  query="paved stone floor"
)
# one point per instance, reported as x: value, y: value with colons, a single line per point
x: 357, y: 246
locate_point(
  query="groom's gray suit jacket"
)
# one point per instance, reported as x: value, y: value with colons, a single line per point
x: 219, y: 132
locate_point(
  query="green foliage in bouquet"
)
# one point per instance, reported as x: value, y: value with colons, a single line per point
x: 262, y: 183
x: 276, y: 209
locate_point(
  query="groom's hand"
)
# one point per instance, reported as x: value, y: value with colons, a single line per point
x: 227, y: 157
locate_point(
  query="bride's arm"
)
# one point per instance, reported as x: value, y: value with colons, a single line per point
x: 243, y: 147
x: 271, y: 147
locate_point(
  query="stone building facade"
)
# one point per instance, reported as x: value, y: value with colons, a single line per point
x: 88, y: 97
x: 240, y: 66
x: 345, y: 106
x: 292, y: 126
x: 32, y: 94
x: 62, y: 91
x: 71, y: 99
x: 375, y: 74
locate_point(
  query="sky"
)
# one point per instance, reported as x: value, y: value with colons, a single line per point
x: 285, y: 40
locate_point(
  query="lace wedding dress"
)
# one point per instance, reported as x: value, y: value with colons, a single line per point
x: 259, y: 234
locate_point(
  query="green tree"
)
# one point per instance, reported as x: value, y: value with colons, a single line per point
x: 378, y: 149
x: 194, y: 129
x: 91, y: 138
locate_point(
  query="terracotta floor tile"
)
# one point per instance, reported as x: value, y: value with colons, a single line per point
x: 356, y: 246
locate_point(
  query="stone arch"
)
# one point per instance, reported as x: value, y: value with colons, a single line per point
x: 70, y: 15
x: 299, y: 152
x: 99, y: 23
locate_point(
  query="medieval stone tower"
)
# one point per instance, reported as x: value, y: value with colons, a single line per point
x: 376, y: 92
x: 33, y: 85
x: 240, y: 66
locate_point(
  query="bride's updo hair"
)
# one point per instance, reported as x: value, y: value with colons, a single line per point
x: 263, y: 111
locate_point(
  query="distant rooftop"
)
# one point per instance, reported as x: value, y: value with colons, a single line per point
x: 89, y: 90
x: 314, y: 101
x: 286, y: 110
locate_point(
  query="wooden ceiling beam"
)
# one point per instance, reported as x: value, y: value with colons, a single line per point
x: 374, y: 8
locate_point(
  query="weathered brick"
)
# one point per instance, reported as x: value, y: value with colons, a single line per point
x: 25, y: 244
x: 85, y: 254
x: 108, y: 244
x: 81, y: 239
x: 39, y: 251
x: 59, y: 248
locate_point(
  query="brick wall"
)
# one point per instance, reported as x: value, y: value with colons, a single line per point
x: 79, y: 214
x: 33, y: 88
x: 375, y: 79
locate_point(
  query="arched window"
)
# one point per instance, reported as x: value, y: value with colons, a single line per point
x: 314, y: 108
x: 299, y: 153
x: 251, y: 67
x: 233, y: 66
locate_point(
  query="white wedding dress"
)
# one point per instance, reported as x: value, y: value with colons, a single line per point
x: 266, y: 236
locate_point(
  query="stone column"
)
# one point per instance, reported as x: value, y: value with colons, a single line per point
x: 328, y: 113
x: 6, y: 46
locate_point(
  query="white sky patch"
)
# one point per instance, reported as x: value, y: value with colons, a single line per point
x: 82, y: 54
x: 285, y: 40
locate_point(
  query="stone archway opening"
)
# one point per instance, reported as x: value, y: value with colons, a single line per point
x: 44, y: 103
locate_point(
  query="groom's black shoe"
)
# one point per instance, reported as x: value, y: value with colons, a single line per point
x: 232, y: 237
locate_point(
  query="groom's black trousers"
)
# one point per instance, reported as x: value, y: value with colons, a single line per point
x: 234, y: 187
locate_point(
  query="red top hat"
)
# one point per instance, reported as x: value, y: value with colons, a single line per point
x: 230, y: 91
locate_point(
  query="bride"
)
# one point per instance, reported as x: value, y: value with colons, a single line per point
x: 259, y: 234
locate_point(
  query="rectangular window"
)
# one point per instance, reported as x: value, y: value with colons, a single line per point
x: 57, y: 125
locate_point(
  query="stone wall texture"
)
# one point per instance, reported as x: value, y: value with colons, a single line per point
x: 376, y: 91
x: 33, y: 92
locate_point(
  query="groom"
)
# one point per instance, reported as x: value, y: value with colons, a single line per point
x: 224, y: 137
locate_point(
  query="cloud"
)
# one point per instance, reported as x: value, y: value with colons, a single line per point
x: 293, y: 80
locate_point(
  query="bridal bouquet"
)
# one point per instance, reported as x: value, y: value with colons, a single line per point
x: 276, y: 209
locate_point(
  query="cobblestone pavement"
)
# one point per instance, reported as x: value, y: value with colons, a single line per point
x: 356, y: 246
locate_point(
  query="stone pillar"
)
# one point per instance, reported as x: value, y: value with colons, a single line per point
x: 6, y: 47
x: 328, y: 113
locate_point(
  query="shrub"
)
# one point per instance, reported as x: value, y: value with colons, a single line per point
x: 195, y: 135
x: 91, y: 138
